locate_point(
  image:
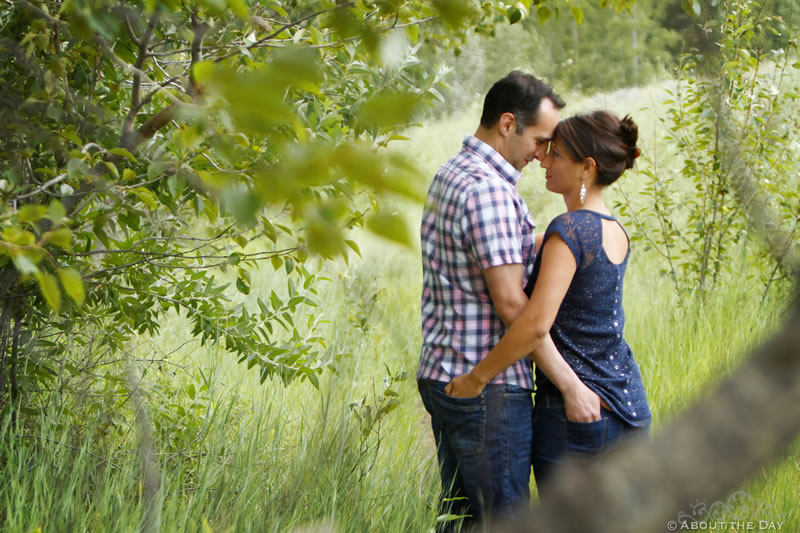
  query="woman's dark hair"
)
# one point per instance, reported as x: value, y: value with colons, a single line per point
x: 601, y: 135
x: 520, y: 94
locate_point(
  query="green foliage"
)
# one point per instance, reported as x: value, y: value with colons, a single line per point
x: 581, y: 46
x: 156, y: 152
x: 601, y: 51
x: 701, y: 231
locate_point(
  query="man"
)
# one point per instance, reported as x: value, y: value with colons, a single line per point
x: 478, y: 248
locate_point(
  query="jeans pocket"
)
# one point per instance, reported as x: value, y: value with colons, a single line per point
x: 463, y: 420
x: 583, y: 439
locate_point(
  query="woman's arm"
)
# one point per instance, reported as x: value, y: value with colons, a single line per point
x: 539, y: 239
x: 530, y: 334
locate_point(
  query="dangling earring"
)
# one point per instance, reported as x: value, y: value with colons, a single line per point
x: 583, y: 191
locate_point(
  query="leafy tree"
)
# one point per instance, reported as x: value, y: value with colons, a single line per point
x: 155, y: 152
x: 733, y: 120
x: 600, y: 51
x: 582, y: 46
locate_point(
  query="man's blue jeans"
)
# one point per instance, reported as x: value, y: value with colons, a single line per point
x: 484, y: 448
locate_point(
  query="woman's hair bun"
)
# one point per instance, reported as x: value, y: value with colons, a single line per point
x: 630, y: 135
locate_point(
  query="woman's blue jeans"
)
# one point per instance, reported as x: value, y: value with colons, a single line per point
x: 555, y: 438
x: 484, y: 448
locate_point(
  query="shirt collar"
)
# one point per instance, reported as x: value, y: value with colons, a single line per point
x: 491, y: 156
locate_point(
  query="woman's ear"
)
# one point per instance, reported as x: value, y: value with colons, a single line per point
x: 589, y: 169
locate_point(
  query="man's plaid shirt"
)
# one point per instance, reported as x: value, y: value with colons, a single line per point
x: 474, y: 219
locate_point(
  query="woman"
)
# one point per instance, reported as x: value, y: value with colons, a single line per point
x: 577, y: 298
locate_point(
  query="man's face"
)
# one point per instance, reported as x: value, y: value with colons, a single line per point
x: 522, y: 148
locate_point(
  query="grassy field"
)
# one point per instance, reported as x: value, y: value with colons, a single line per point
x: 255, y: 457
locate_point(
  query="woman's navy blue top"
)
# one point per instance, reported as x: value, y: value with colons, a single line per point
x: 588, y: 328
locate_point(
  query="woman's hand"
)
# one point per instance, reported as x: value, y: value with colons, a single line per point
x: 582, y: 404
x: 464, y: 386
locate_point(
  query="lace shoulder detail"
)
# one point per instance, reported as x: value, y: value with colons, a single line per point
x: 583, y: 233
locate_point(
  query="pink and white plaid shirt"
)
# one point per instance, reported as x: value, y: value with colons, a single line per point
x: 474, y: 219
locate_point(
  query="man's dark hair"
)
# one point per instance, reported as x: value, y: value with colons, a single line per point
x: 520, y: 94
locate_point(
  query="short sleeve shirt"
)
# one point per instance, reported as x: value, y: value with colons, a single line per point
x: 588, y: 327
x: 474, y: 219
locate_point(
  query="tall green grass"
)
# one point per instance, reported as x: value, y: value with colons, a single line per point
x: 247, y: 456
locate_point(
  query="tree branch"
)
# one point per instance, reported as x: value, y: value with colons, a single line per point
x: 143, y: 43
x: 134, y: 39
x: 286, y: 26
x: 43, y: 186
x: 200, y: 29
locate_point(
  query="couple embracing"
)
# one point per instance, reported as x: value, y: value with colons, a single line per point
x: 496, y: 297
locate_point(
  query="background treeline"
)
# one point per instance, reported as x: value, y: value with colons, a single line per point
x: 600, y: 50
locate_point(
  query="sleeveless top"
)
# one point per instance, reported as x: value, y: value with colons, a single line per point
x: 588, y: 328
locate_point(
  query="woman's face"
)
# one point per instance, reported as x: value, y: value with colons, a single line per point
x: 562, y: 174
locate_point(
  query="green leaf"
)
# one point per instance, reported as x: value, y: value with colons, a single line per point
x: 56, y: 212
x: 242, y: 286
x: 124, y: 153
x: 413, y: 33
x: 72, y: 282
x: 388, y: 109
x: 25, y: 264
x: 278, y: 9
x: 544, y: 13
x: 128, y: 174
x: 274, y: 300
x: 187, y: 137
x: 514, y: 15
x: 31, y: 213
x: 391, y: 226
x: 146, y: 196
x: 691, y: 7
x: 577, y: 14
x: 49, y: 287
x: 18, y: 236
x: 239, y: 8
x: 242, y: 203
x: 71, y: 135
x: 101, y: 235
x: 204, y: 71
x: 454, y: 12
x: 354, y: 246
x: 269, y: 229
x: 112, y: 168
x: 61, y: 237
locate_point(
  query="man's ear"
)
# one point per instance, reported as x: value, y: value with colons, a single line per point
x: 507, y: 124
